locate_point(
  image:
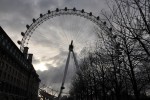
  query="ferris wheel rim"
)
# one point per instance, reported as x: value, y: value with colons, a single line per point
x: 51, y: 14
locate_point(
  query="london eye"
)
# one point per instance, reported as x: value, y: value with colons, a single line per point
x: 49, y: 35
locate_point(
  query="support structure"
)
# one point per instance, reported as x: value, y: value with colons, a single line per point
x: 66, y: 67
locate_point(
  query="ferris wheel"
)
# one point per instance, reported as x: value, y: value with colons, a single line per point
x: 51, y: 14
x: 75, y: 26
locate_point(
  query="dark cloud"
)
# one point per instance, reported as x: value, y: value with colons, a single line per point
x: 48, y: 3
x: 58, y: 59
x: 15, y: 14
x: 35, y: 61
x: 53, y: 76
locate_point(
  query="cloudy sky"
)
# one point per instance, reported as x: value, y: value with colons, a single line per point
x: 49, y: 42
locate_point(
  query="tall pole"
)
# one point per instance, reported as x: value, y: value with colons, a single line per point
x: 64, y: 77
x: 66, y: 69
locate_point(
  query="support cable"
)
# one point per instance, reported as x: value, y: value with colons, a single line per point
x: 66, y: 68
x: 64, y: 77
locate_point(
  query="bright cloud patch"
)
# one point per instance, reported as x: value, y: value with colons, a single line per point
x: 41, y: 66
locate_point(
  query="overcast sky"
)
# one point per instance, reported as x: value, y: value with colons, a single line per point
x: 50, y: 48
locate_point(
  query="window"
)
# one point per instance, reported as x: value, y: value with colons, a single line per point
x: 10, y: 70
x: 0, y: 73
x: 10, y: 49
x: 8, y: 77
x: 1, y: 65
x: 11, y: 78
x: 1, y: 37
x: 4, y: 42
x: 7, y: 46
x: 4, y: 76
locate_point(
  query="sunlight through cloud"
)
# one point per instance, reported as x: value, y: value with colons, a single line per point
x: 41, y: 66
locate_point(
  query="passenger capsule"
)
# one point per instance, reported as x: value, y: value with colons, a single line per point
x: 22, y: 33
x: 27, y: 26
x: 41, y: 15
x: 90, y: 13
x: 97, y: 17
x: 49, y: 11
x: 82, y: 10
x: 74, y: 9
x: 65, y: 8
x: 19, y: 42
x: 57, y: 10
x: 33, y: 20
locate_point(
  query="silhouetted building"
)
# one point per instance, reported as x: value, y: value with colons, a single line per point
x: 18, y: 78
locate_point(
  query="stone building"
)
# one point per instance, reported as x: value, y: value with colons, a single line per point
x: 18, y: 78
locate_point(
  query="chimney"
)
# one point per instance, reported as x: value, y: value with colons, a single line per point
x: 30, y: 57
x: 25, y: 52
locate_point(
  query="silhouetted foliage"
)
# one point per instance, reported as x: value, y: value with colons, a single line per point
x: 119, y: 66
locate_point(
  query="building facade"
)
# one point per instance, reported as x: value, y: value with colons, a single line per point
x: 18, y: 78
